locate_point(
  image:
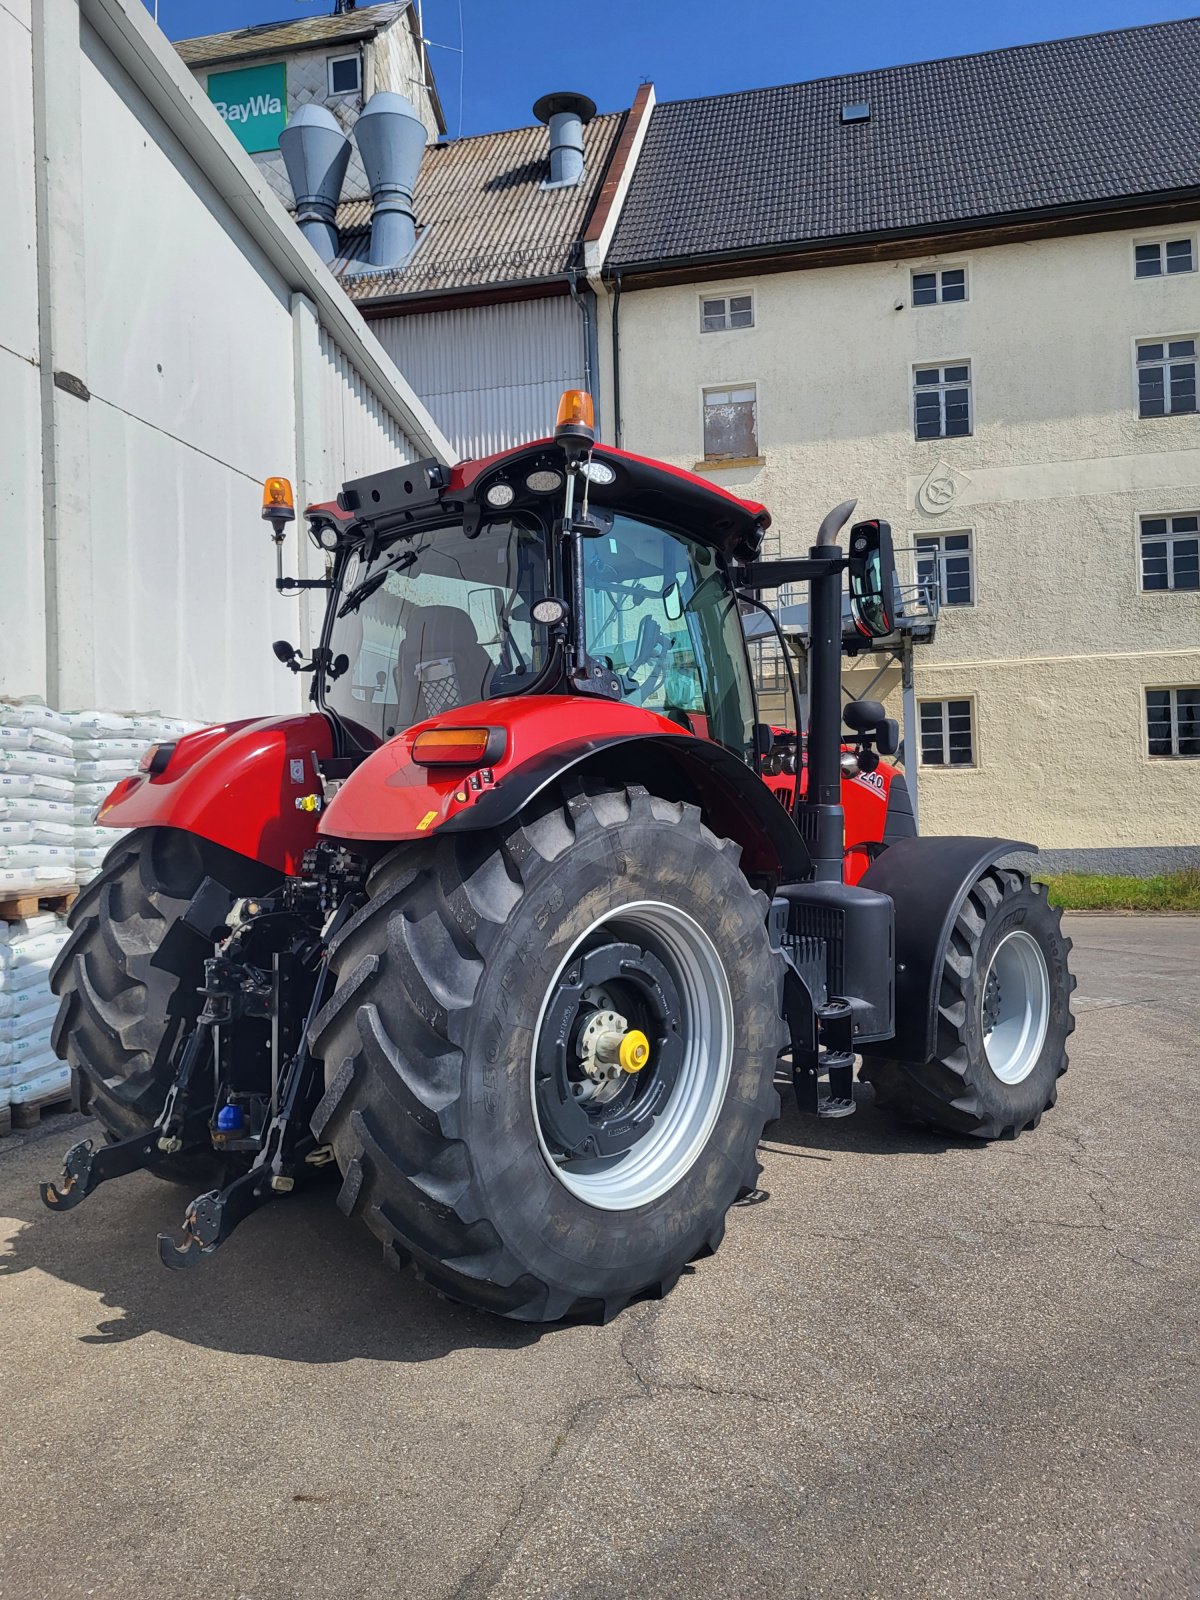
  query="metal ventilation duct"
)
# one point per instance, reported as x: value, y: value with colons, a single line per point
x: 391, y: 140
x: 565, y: 113
x: 316, y: 153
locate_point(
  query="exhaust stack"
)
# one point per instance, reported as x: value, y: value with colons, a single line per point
x: 565, y: 114
x: 316, y: 153
x: 391, y: 140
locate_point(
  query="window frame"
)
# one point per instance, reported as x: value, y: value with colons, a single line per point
x: 730, y: 461
x: 941, y: 558
x: 1172, y: 690
x: 1161, y: 241
x: 945, y: 702
x: 1169, y: 538
x: 1166, y: 340
x: 334, y: 61
x: 726, y: 295
x: 939, y: 389
x: 937, y: 273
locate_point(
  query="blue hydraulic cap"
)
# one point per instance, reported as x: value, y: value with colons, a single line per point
x: 230, y: 1119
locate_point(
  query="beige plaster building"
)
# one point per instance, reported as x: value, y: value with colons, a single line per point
x: 963, y: 293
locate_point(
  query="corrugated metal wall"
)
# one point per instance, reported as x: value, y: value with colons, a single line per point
x: 360, y: 434
x: 490, y: 375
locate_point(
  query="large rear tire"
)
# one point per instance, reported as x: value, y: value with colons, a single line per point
x: 1004, y: 1017
x: 470, y: 1139
x: 124, y: 999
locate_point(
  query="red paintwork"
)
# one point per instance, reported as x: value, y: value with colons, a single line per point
x: 466, y: 473
x: 233, y: 784
x: 390, y: 797
x: 865, y: 802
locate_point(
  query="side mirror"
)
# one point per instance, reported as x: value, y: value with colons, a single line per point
x: 872, y: 579
x: 764, y: 739
x: 283, y: 651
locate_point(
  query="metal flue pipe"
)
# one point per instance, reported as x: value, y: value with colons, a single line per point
x: 391, y: 140
x: 316, y: 153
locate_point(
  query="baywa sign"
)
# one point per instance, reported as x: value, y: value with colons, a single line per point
x: 253, y: 102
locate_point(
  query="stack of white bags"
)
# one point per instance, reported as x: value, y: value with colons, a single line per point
x: 29, y: 1069
x: 56, y: 768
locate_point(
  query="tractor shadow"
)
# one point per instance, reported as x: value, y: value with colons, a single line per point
x: 297, y: 1281
x: 871, y: 1131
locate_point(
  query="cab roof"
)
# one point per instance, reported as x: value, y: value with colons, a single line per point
x: 641, y: 487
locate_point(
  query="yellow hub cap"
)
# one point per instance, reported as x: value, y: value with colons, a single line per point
x: 634, y: 1052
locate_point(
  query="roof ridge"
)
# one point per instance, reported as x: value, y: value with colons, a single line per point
x: 930, y: 61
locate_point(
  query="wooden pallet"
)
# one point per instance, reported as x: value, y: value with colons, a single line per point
x: 15, y: 907
x: 19, y: 1118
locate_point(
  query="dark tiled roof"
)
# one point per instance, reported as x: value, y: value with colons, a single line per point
x: 483, y: 214
x: 1042, y: 126
x: 293, y: 33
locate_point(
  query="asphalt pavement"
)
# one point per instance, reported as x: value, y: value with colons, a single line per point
x: 920, y: 1369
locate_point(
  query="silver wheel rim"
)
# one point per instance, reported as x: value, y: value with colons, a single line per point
x: 678, y: 1135
x: 1016, y: 1007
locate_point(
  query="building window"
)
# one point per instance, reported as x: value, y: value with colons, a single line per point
x: 1166, y: 372
x: 727, y: 311
x: 935, y: 288
x: 1173, y: 721
x: 1168, y: 256
x: 942, y: 402
x: 947, y: 734
x: 344, y: 75
x: 1171, y: 552
x: 944, y: 564
x: 731, y: 424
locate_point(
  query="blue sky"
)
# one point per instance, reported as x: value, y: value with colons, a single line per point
x: 517, y: 51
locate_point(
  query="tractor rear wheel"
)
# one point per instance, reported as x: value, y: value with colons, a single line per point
x: 124, y: 1001
x: 550, y: 1053
x: 1004, y: 1017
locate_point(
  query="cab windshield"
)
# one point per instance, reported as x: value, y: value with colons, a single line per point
x: 438, y: 621
x: 661, y: 612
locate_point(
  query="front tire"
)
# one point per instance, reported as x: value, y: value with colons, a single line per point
x: 1004, y: 1017
x: 470, y: 1139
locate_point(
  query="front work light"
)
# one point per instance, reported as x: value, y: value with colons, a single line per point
x: 277, y: 502
x: 576, y: 422
x: 458, y: 747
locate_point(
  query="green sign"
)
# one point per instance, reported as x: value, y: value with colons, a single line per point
x: 253, y: 101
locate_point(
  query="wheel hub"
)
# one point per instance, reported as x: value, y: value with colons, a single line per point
x: 1015, y: 1008
x: 654, y: 966
x: 608, y: 1051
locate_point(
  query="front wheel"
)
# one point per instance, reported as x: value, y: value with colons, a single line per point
x: 1004, y: 1017
x: 550, y: 1054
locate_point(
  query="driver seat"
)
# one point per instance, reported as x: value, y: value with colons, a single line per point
x: 441, y: 664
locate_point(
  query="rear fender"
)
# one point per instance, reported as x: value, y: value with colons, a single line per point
x: 236, y: 784
x: 391, y: 797
x: 928, y: 880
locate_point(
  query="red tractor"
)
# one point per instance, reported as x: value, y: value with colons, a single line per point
x: 515, y: 925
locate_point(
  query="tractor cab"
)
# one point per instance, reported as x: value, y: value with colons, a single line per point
x: 457, y: 588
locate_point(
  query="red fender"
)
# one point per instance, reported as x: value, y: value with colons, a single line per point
x: 236, y: 784
x: 390, y: 796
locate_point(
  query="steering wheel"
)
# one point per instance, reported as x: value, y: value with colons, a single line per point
x: 653, y: 650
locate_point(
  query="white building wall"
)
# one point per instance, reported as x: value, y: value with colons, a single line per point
x: 1061, y: 642
x: 164, y: 330
x: 20, y: 408
x: 491, y: 375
